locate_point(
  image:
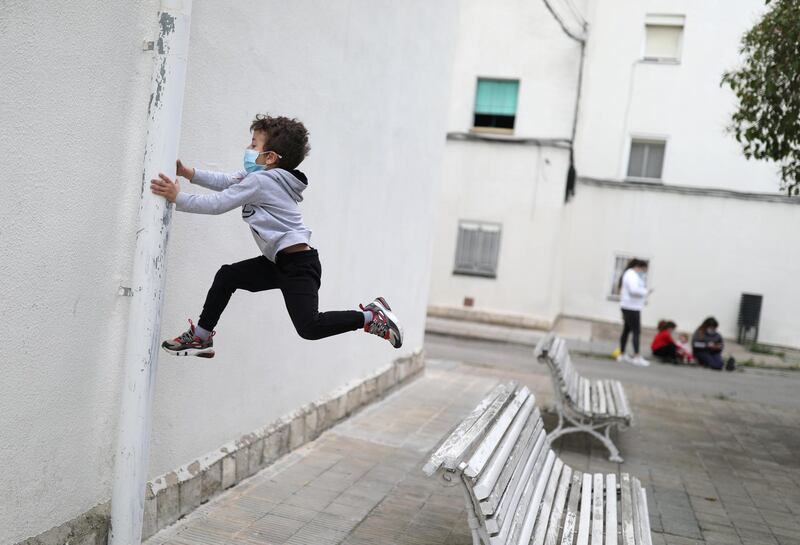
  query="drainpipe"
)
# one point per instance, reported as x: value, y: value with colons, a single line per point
x: 581, y: 39
x: 144, y: 318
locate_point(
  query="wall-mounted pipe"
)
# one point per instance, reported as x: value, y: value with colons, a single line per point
x: 147, y: 283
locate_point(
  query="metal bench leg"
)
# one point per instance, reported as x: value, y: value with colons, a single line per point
x: 613, y: 452
x: 474, y: 523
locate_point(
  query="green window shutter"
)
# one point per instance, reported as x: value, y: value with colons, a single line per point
x: 496, y: 97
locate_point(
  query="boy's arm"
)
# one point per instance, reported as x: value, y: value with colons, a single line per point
x: 236, y: 195
x: 216, y: 181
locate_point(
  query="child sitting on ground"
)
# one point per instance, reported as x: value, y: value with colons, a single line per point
x: 684, y: 349
x: 269, y: 190
x: 663, y: 346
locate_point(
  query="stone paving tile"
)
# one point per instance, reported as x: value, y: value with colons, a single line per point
x: 716, y: 471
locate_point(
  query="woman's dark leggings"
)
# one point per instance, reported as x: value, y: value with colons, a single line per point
x: 298, y: 276
x: 632, y: 320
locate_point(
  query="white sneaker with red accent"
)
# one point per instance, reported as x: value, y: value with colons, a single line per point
x: 188, y: 344
x: 384, y: 323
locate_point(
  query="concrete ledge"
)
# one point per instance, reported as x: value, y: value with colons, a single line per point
x: 173, y: 495
x: 90, y: 528
x: 522, y: 321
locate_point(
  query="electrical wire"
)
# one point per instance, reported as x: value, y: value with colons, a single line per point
x: 561, y: 23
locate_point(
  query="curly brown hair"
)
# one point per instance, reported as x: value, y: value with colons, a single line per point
x: 286, y: 137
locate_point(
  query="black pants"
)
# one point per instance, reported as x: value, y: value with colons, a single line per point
x: 709, y: 359
x: 298, y: 275
x: 667, y: 353
x: 632, y: 321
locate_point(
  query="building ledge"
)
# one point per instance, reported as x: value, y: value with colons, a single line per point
x: 563, y: 143
x: 660, y: 187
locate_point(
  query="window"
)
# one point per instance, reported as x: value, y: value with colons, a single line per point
x: 620, y: 263
x: 477, y: 249
x: 663, y: 38
x: 496, y: 103
x: 646, y: 159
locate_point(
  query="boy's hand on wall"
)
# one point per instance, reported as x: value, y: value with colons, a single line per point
x: 181, y: 170
x: 165, y: 187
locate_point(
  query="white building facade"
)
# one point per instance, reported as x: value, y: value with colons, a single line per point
x: 658, y: 176
x: 75, y: 89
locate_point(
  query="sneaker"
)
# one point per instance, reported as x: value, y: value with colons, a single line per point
x: 640, y: 362
x: 188, y: 344
x: 384, y: 323
x: 623, y: 358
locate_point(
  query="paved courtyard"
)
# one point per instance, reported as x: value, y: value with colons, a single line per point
x: 719, y: 454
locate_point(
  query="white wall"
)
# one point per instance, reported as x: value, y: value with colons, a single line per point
x: 520, y: 186
x: 369, y: 79
x: 685, y: 103
x: 526, y: 196
x: 705, y: 251
x: 516, y: 39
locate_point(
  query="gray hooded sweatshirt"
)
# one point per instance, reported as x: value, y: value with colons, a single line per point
x: 269, y: 201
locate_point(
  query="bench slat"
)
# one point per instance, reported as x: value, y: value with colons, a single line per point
x: 595, y: 392
x: 644, y: 519
x: 571, y: 519
x: 509, y: 503
x: 586, y: 510
x: 602, y: 407
x: 551, y: 471
x: 619, y: 399
x: 554, y: 526
x: 628, y: 537
x: 639, y: 509
x: 611, y: 509
x: 587, y: 407
x: 612, y: 408
x: 500, y: 457
x: 489, y: 443
x: 450, y: 444
x: 548, y: 501
x: 510, y: 520
x: 517, y: 460
x: 475, y: 432
x: 572, y: 385
x: 597, y: 509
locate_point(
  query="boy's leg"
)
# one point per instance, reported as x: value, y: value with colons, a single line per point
x: 300, y: 280
x: 256, y: 274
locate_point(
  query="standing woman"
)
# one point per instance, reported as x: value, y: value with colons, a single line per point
x: 633, y: 295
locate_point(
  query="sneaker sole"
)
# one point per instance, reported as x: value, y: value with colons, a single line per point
x: 199, y: 352
x: 387, y: 310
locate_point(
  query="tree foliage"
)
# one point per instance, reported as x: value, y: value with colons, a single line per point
x: 767, y: 86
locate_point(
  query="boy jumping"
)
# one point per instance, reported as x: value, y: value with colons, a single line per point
x: 268, y: 190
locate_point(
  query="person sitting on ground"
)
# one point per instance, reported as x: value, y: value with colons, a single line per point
x: 707, y: 344
x: 664, y: 346
x: 684, y: 349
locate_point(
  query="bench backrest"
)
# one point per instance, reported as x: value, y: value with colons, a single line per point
x: 592, y: 398
x: 552, y: 350
x: 519, y: 489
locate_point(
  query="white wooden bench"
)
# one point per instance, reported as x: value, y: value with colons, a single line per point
x: 519, y: 492
x: 583, y: 405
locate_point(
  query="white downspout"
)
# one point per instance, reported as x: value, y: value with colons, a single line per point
x: 147, y: 284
